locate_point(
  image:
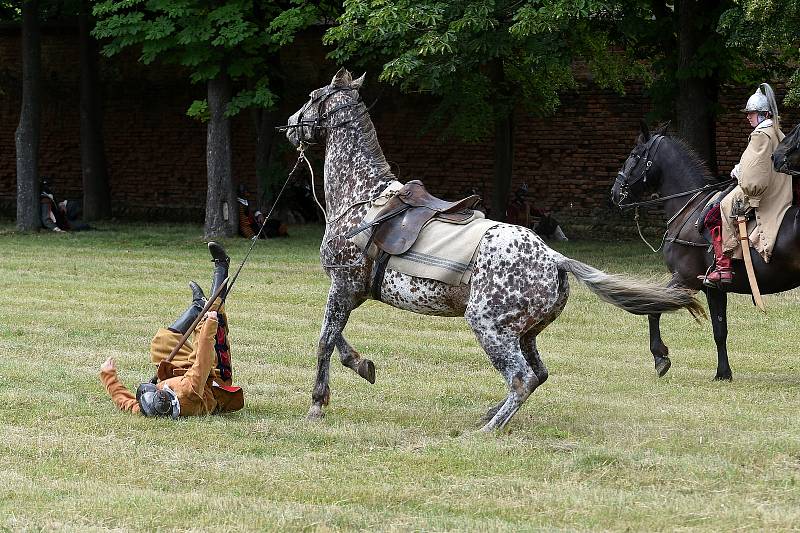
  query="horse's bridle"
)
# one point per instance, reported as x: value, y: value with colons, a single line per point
x: 317, y: 123
x: 622, y: 177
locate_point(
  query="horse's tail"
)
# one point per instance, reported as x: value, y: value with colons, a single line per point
x: 635, y: 296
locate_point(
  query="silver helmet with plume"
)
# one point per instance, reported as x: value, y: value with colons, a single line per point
x: 763, y: 101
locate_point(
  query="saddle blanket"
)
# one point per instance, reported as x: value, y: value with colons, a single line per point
x: 444, y: 251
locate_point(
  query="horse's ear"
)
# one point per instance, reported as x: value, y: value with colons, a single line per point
x: 662, y: 130
x: 342, y: 78
x: 359, y: 82
x: 645, y: 135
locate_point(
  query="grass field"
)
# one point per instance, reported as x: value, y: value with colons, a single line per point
x: 603, y: 445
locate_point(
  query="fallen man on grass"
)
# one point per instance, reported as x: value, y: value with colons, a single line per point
x: 197, y: 381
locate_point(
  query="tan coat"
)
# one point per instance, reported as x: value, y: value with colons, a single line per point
x: 165, y: 340
x: 760, y: 187
x: 197, y: 391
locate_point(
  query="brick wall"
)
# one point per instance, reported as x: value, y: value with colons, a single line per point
x: 156, y: 154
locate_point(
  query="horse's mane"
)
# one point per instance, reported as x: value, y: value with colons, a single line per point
x: 695, y: 161
x: 371, y: 142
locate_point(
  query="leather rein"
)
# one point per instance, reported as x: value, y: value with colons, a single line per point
x: 674, y: 239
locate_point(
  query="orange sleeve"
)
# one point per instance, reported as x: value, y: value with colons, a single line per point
x: 122, y: 397
x: 204, y: 343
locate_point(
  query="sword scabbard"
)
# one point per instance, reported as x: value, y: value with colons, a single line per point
x: 741, y: 222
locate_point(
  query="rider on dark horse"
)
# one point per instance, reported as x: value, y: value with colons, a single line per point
x: 762, y: 190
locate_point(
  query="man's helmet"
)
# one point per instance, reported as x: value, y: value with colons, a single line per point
x: 757, y: 102
x: 157, y: 402
x: 763, y: 101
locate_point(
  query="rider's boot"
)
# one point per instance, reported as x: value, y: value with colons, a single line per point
x: 722, y: 273
x: 221, y: 263
x: 184, y: 322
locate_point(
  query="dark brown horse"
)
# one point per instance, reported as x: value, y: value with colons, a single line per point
x: 685, y: 185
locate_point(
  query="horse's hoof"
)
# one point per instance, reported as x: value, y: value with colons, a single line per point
x: 366, y: 369
x: 315, y: 413
x: 662, y: 366
x: 724, y: 377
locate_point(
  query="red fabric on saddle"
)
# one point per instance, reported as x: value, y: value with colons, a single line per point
x: 713, y: 218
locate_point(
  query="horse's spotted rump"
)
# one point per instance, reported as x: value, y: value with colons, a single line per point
x: 517, y: 288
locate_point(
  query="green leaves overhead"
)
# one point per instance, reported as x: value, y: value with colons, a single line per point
x: 238, y: 36
x: 769, y: 30
x: 482, y: 56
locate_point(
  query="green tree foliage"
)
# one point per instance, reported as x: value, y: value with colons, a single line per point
x: 483, y: 56
x: 9, y: 11
x: 770, y: 31
x: 222, y: 43
x: 234, y: 36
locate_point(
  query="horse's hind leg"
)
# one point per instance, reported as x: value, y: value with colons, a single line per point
x: 504, y: 352
x: 657, y: 347
x: 532, y: 356
x: 534, y: 360
x: 353, y: 360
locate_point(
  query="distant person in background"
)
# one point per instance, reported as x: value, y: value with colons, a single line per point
x: 251, y: 219
x: 522, y: 213
x: 58, y: 216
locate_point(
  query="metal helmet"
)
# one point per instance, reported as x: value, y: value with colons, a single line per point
x: 763, y: 101
x: 757, y: 102
x: 157, y: 402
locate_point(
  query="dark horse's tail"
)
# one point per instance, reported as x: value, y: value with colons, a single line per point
x: 635, y: 296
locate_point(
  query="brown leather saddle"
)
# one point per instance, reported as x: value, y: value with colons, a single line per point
x: 397, y: 225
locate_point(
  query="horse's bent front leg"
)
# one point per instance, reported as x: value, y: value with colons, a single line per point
x: 337, y: 311
x: 718, y: 309
x: 353, y: 360
x: 657, y: 347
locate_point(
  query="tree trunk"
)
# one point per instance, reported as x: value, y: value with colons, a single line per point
x: 222, y: 214
x: 27, y: 135
x: 503, y: 164
x: 697, y: 95
x: 96, y: 193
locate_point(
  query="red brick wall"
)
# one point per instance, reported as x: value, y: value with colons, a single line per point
x: 156, y: 154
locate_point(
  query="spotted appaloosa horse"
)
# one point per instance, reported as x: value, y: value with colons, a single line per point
x: 518, y: 286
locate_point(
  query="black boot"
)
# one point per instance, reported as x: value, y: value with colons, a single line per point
x: 221, y: 264
x: 198, y: 298
x: 184, y: 322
